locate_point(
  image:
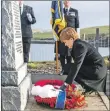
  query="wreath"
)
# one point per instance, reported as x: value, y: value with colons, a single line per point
x: 74, y: 98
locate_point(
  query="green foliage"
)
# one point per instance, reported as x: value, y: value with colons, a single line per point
x: 32, y: 65
x: 107, y: 62
x: 35, y: 65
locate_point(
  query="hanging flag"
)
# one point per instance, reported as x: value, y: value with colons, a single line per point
x: 57, y: 21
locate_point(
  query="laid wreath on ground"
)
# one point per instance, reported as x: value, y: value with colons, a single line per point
x: 47, y: 92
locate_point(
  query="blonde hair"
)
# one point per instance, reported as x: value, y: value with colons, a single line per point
x: 68, y: 33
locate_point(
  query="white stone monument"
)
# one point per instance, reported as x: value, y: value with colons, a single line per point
x: 16, y: 83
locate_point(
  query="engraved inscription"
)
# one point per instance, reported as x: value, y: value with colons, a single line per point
x: 17, y: 23
x: 19, y: 46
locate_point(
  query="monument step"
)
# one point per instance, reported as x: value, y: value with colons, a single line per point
x: 37, y: 76
x: 15, y: 98
x: 14, y: 78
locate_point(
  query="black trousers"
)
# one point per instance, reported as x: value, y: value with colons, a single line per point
x: 62, y: 61
x: 26, y: 48
x: 88, y: 77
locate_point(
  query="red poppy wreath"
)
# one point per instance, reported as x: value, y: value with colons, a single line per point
x: 47, y: 92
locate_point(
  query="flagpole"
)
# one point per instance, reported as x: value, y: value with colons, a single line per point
x: 57, y: 25
x: 57, y: 57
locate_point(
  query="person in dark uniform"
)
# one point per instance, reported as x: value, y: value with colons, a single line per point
x: 27, y: 18
x: 71, y: 16
x: 72, y: 20
x: 89, y: 68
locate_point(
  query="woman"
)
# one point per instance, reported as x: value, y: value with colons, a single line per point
x: 88, y: 68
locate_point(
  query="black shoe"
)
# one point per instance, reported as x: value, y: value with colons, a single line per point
x: 25, y: 61
x: 55, y: 58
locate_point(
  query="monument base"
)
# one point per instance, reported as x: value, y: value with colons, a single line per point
x: 14, y: 78
x: 15, y: 98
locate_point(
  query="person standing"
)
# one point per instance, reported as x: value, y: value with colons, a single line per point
x: 27, y: 18
x: 72, y: 20
x: 71, y: 16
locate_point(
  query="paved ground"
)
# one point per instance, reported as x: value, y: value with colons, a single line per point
x: 94, y: 103
x: 108, y: 84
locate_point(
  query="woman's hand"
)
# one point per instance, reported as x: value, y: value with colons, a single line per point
x: 64, y: 86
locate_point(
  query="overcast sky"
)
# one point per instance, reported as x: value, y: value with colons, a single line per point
x: 91, y: 13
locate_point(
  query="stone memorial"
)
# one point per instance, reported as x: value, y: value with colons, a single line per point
x: 16, y: 83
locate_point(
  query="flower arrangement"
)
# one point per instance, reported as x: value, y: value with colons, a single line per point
x: 74, y: 98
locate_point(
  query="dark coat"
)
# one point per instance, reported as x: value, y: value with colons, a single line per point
x: 25, y: 23
x: 89, y: 68
x: 72, y: 18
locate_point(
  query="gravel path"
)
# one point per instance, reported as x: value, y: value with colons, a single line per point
x: 49, y: 68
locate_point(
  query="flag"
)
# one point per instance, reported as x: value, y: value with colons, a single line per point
x: 57, y: 21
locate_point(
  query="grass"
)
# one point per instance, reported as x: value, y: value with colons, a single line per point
x: 92, y: 30
x: 87, y: 31
x: 35, y: 65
